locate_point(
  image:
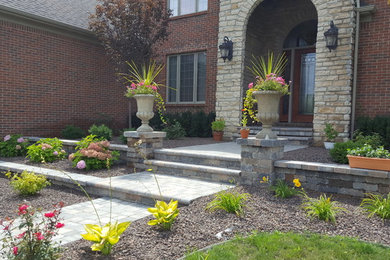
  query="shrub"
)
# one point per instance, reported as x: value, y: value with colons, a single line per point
x: 46, y: 150
x: 375, y: 140
x: 121, y: 136
x: 13, y: 145
x: 164, y: 214
x: 377, y: 204
x: 28, y: 183
x: 72, y: 132
x: 101, y: 131
x: 174, y: 130
x: 330, y: 132
x: 231, y: 202
x: 322, y: 208
x: 93, y: 154
x: 283, y: 190
x: 379, y: 124
x: 31, y: 238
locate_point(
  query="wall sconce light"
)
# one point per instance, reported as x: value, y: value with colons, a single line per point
x: 226, y: 49
x: 331, y: 37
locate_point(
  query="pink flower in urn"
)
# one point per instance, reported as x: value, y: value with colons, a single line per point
x: 133, y: 86
x: 81, y: 164
x: 6, y: 138
x: 154, y: 87
x: 20, y: 140
x: 250, y: 85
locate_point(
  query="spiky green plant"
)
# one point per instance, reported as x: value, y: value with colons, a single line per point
x: 377, y: 204
x: 261, y: 67
x: 322, y: 208
x: 232, y: 202
x: 282, y: 189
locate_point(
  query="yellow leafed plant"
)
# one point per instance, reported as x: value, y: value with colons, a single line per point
x: 165, y: 214
x: 104, y: 237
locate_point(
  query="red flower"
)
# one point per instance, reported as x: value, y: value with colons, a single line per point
x: 60, y: 225
x: 39, y: 236
x: 21, y: 235
x: 50, y: 214
x: 15, y: 249
x: 22, y: 209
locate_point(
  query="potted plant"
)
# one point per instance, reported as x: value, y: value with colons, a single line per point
x: 267, y: 90
x: 218, y: 126
x: 367, y: 157
x: 244, y: 131
x: 331, y: 135
x: 145, y: 91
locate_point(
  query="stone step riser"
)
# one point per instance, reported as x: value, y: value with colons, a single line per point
x: 197, y: 174
x: 229, y: 164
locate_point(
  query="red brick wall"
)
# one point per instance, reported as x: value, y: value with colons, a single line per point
x: 193, y: 33
x: 48, y: 81
x: 373, y: 88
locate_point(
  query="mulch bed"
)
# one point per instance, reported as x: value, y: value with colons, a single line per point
x: 196, y: 228
x: 50, y: 195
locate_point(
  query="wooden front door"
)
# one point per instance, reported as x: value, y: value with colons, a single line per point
x: 302, y: 75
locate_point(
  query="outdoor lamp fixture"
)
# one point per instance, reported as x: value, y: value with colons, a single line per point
x: 331, y: 37
x: 226, y: 49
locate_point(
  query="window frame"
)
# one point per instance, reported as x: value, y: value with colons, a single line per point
x: 179, y: 5
x: 195, y: 81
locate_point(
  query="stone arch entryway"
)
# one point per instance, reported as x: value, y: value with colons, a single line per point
x: 333, y: 70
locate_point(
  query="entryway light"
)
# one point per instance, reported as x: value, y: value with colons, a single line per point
x: 226, y: 49
x: 331, y: 37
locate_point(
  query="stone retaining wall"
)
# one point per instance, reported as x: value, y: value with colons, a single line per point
x: 335, y: 178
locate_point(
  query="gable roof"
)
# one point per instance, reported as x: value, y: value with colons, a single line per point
x: 70, y: 12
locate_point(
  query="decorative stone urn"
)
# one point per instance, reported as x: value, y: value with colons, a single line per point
x: 145, y: 104
x: 268, y: 107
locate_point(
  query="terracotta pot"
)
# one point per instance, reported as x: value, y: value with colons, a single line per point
x: 217, y: 136
x: 268, y: 107
x: 145, y: 104
x: 244, y: 133
x: 369, y: 163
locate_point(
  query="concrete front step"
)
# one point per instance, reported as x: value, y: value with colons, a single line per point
x: 196, y: 171
x: 139, y: 187
x: 199, y: 158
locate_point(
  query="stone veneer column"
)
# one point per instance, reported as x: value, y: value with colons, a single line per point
x: 333, y: 69
x: 141, y: 146
x: 258, y: 157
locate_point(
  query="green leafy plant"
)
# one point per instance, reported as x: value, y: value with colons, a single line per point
x: 322, y: 208
x: 101, y: 131
x: 367, y: 151
x: 379, y: 125
x: 46, y: 150
x: 218, y: 125
x: 174, y: 130
x: 31, y: 238
x: 13, y: 145
x: 27, y: 183
x: 142, y: 81
x: 268, y: 78
x: 377, y: 205
x: 104, y: 237
x: 164, y: 214
x: 374, y: 139
x: 231, y: 202
x: 330, y: 132
x: 340, y: 151
x: 283, y: 190
x: 92, y: 154
x: 72, y: 132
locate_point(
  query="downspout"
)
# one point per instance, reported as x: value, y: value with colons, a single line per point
x: 355, y: 68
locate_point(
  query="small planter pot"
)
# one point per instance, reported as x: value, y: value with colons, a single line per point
x: 217, y: 136
x: 329, y: 145
x: 244, y: 133
x: 380, y: 164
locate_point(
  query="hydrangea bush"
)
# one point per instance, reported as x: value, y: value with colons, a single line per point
x: 93, y: 154
x: 46, y: 150
x: 13, y: 145
x: 32, y: 237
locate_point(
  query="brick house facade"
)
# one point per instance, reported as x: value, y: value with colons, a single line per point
x: 255, y: 26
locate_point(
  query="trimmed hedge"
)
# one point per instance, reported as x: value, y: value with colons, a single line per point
x: 379, y: 124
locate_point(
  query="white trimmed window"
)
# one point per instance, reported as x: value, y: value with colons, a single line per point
x: 182, y: 7
x: 187, y: 78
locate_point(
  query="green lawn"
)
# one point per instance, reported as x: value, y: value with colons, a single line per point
x: 293, y: 246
